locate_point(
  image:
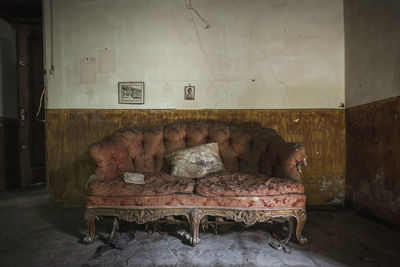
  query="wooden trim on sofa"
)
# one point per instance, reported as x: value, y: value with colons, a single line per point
x: 194, y: 215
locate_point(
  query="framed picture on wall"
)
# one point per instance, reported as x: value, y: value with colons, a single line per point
x: 189, y: 92
x: 131, y: 92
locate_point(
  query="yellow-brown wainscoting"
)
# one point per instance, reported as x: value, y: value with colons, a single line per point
x: 70, y: 132
x: 373, y: 158
x: 9, y: 171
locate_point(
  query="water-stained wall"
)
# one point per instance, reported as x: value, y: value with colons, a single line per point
x: 373, y: 128
x: 373, y: 158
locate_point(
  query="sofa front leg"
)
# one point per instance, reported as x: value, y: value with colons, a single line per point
x: 90, y: 218
x: 301, y: 218
x: 195, y: 217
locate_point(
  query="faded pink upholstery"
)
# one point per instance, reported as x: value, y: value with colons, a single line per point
x: 156, y: 184
x: 243, y: 184
x: 290, y: 201
x: 251, y: 155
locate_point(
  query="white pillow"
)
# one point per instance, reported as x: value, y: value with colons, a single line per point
x: 196, y: 162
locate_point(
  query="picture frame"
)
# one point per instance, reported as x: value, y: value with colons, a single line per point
x: 131, y: 92
x: 189, y: 92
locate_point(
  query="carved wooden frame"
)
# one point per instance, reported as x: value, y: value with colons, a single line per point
x: 194, y: 215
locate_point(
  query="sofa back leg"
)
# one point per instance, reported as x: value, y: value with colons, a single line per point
x: 301, y: 218
x: 90, y: 218
x: 114, y: 229
x: 290, y: 231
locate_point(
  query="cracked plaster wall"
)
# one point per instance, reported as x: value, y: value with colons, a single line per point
x: 255, y: 55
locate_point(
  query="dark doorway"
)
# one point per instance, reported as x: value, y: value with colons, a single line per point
x: 26, y: 17
x: 31, y: 109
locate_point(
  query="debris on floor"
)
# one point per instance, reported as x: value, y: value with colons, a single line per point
x: 120, y: 241
x: 279, y: 246
x: 35, y: 232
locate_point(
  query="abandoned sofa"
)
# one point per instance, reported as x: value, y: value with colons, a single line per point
x: 261, y: 181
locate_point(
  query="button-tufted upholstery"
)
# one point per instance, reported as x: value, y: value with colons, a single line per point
x: 261, y: 182
x: 243, y: 148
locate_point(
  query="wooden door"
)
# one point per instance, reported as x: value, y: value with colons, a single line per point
x: 30, y: 88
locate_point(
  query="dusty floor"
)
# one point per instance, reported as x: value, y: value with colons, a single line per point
x: 35, y: 233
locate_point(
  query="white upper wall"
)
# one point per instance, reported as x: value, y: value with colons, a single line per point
x: 372, y: 35
x: 261, y: 54
x: 8, y: 71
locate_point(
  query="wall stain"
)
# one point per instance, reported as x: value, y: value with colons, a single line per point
x: 373, y: 158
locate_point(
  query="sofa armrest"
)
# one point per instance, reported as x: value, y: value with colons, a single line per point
x: 290, y: 158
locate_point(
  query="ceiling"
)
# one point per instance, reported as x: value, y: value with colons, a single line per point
x: 21, y: 11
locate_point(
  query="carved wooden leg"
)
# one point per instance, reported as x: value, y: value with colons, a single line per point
x: 204, y: 222
x: 301, y: 218
x: 218, y: 220
x: 290, y: 231
x: 195, y: 217
x: 115, y: 228
x: 90, y: 218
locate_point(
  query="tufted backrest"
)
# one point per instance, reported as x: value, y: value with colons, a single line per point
x: 243, y: 148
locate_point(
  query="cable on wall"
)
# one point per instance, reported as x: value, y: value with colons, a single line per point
x: 40, y: 107
x: 191, y: 8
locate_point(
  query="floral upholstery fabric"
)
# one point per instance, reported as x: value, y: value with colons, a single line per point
x: 252, y: 152
x: 156, y: 184
x: 244, y: 184
x: 290, y: 201
x: 243, y: 148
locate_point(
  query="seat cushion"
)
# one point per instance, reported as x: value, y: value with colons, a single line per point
x: 289, y: 201
x: 156, y: 184
x: 246, y: 185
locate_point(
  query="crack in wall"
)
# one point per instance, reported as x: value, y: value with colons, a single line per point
x: 285, y: 86
x: 271, y: 68
x: 256, y: 43
x: 191, y: 8
x: 223, y: 99
x: 201, y: 46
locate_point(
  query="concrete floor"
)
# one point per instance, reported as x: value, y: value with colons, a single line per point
x: 34, y: 232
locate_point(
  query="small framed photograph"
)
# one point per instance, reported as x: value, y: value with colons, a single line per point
x: 131, y: 92
x: 189, y: 92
